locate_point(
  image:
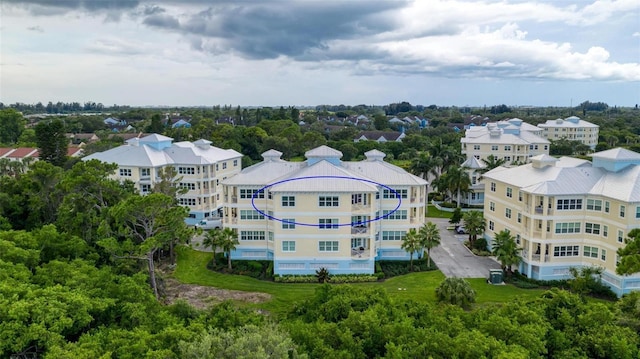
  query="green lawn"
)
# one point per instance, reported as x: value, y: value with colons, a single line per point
x: 433, y: 212
x: 417, y: 286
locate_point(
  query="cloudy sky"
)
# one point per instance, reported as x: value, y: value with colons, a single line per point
x: 309, y: 52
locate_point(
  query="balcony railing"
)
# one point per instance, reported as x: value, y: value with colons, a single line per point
x: 360, y: 207
x: 359, y: 230
x: 360, y: 253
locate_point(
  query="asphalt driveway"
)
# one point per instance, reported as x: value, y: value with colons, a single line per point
x: 454, y: 259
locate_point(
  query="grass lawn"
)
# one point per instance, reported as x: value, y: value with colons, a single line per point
x: 420, y: 286
x: 433, y: 212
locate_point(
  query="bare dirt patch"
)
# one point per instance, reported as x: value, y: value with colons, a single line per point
x: 201, y: 297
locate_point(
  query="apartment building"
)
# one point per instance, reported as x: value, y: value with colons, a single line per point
x: 573, y: 129
x: 512, y: 140
x: 567, y: 212
x: 200, y: 167
x: 323, y: 212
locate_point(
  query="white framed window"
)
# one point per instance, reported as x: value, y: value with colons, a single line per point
x: 569, y: 204
x: 388, y: 194
x: 396, y: 215
x: 235, y: 163
x: 566, y: 251
x: 592, y: 228
x: 594, y: 205
x: 589, y: 251
x: 507, y: 148
x: 125, y: 172
x: 606, y: 206
x: 224, y: 165
x: 492, y: 206
x: 476, y: 147
x: 145, y: 172
x: 637, y: 211
x: 507, y: 212
x: 603, y: 255
x: 251, y: 214
x: 623, y: 209
x: 491, y: 225
x: 288, y: 201
x: 393, y: 235
x: 270, y: 236
x: 509, y: 192
x: 186, y: 170
x: 252, y: 235
x: 620, y: 236
x: 288, y: 246
x: 188, y: 186
x: 246, y: 193
x: 519, y: 217
x: 605, y: 231
x: 145, y: 188
x: 328, y: 246
x: 519, y: 196
x: 288, y: 223
x: 507, y: 158
x: 328, y: 223
x: 494, y: 147
x: 492, y: 186
x: 570, y: 227
x: 328, y: 201
x: 187, y: 201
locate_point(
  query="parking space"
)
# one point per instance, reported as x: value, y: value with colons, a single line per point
x: 454, y: 259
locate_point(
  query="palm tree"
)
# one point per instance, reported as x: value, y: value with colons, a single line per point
x: 492, y: 162
x: 429, y: 238
x: 213, y: 239
x: 424, y: 165
x: 228, y: 242
x: 456, y: 180
x: 456, y: 291
x: 506, y: 250
x: 411, y: 243
x: 474, y: 224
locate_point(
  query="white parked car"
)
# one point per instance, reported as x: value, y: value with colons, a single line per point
x: 210, y: 223
x: 461, y: 230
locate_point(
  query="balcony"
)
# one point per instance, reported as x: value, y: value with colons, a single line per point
x: 359, y: 207
x: 417, y: 199
x: 360, y: 253
x: 231, y: 220
x: 538, y: 257
x: 360, y: 229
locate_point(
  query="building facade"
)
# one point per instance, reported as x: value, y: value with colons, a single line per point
x: 512, y: 140
x: 573, y: 129
x: 323, y: 212
x: 568, y: 213
x: 200, y: 167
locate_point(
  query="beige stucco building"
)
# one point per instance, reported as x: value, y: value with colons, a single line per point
x: 323, y: 212
x: 568, y: 212
x: 573, y: 129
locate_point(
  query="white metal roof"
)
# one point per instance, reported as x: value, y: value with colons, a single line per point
x: 617, y: 154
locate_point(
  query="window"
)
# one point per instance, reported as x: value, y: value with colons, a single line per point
x: 622, y: 210
x: 252, y: 235
x: 494, y: 148
x: 249, y: 193
x: 603, y: 255
x: 186, y: 170
x: 328, y: 246
x: 507, y: 148
x: 288, y: 201
x: 605, y: 231
x: 288, y: 246
x: 387, y: 194
x: 250, y: 214
x: 235, y: 163
x: 476, y: 147
x: 328, y: 223
x: 399, y: 214
x: 288, y: 223
x: 620, y: 236
x: 590, y: 252
x: 393, y: 235
x: 637, y: 211
x: 592, y: 228
x: 519, y: 217
x: 492, y: 206
x: 507, y: 212
x: 187, y: 201
x: 507, y: 158
x: 493, y: 186
x: 517, y: 239
x: 509, y: 192
x: 566, y: 251
x: 474, y: 180
x: 188, y: 186
x: 519, y: 196
x: 606, y: 206
x: 324, y: 201
x: 270, y: 237
x: 491, y: 225
x: 594, y: 205
x: 224, y: 165
x: 125, y: 172
x: 145, y: 172
x: 569, y: 204
x: 571, y: 227
x: 546, y: 147
x: 145, y: 188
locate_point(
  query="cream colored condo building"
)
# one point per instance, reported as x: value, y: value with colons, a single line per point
x: 200, y: 167
x: 568, y: 212
x: 573, y: 129
x: 323, y: 212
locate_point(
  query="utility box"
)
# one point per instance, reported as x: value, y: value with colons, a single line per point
x: 495, y: 276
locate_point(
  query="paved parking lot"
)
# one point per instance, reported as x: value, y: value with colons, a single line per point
x: 454, y: 259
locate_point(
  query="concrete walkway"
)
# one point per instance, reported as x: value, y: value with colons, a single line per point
x: 454, y: 259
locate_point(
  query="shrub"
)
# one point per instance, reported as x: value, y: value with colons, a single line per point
x: 336, y: 278
x: 392, y: 268
x: 456, y: 291
x: 323, y: 275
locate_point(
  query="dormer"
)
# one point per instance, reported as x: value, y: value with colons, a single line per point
x: 323, y: 153
x: 375, y: 155
x: 203, y: 144
x: 271, y: 155
x: 541, y: 161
